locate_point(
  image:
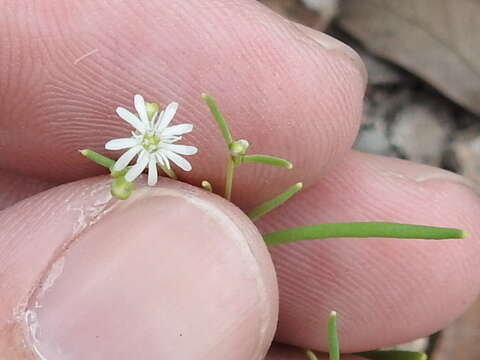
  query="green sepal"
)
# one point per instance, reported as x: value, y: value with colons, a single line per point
x: 121, y: 188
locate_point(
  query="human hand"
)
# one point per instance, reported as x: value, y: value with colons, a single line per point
x: 156, y: 278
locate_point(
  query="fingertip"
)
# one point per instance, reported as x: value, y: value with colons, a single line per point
x: 302, y: 95
x: 387, y: 291
x: 172, y: 272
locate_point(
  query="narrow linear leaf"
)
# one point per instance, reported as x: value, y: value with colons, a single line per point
x: 266, y: 159
x: 392, y: 355
x: 257, y: 212
x: 98, y: 158
x: 222, y: 124
x: 362, y: 230
x: 310, y: 355
x: 333, y: 346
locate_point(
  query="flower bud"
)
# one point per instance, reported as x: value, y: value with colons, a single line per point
x: 239, y: 147
x: 152, y: 109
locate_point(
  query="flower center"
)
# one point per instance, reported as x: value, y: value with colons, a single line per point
x: 150, y: 143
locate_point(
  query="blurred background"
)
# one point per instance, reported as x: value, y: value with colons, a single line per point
x: 422, y: 101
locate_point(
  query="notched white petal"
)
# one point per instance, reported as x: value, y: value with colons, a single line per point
x: 162, y: 160
x: 131, y: 119
x: 181, y: 149
x: 152, y: 171
x: 138, y: 168
x: 181, y: 162
x: 126, y: 157
x: 170, y: 139
x: 139, y: 103
x: 167, y: 116
x: 119, y: 144
x: 156, y: 122
x: 177, y: 129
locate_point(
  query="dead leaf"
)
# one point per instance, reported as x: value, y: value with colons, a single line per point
x: 316, y: 15
x: 437, y: 40
x: 460, y: 340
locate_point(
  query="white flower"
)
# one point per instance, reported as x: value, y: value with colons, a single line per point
x: 153, y: 141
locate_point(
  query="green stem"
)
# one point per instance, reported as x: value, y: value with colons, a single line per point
x: 229, y: 178
x: 98, y: 158
x: 257, y: 212
x: 333, y: 347
x: 310, y: 355
x: 222, y: 124
x: 362, y: 230
x: 266, y: 159
x: 392, y: 355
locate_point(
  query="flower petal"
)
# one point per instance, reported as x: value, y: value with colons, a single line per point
x: 126, y: 157
x: 167, y: 116
x: 177, y: 129
x: 131, y: 119
x: 139, y: 103
x: 178, y: 160
x: 181, y: 149
x: 157, y: 120
x: 138, y: 168
x: 162, y: 160
x: 122, y: 143
x: 152, y: 171
x: 170, y: 139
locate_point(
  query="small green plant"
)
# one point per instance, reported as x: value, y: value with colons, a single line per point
x: 154, y: 143
x: 334, y: 347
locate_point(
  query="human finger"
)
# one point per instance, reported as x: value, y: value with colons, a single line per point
x: 172, y: 273
x: 386, y: 291
x: 291, y: 91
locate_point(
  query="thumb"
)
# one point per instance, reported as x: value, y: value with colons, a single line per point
x: 172, y: 273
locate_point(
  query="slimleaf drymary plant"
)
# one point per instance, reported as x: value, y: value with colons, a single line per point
x: 153, y: 142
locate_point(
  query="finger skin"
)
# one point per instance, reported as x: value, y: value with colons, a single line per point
x: 174, y: 272
x: 16, y: 187
x: 385, y: 291
x: 279, y: 88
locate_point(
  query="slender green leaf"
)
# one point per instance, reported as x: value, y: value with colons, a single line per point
x: 362, y: 230
x: 392, y: 355
x: 333, y: 346
x: 222, y: 124
x: 266, y: 159
x: 98, y: 158
x: 257, y: 212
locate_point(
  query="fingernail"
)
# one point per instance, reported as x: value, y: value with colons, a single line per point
x: 444, y: 175
x: 165, y: 275
x: 332, y: 44
x: 423, y: 174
